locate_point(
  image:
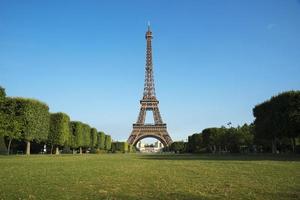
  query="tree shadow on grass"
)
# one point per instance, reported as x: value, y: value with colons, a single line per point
x: 222, y: 157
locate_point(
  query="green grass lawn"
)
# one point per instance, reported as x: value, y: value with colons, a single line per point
x: 140, y: 176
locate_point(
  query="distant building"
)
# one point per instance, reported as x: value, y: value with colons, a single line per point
x: 140, y: 145
x: 158, y: 145
x: 150, y: 148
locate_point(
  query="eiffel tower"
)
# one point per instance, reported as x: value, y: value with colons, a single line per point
x: 149, y: 102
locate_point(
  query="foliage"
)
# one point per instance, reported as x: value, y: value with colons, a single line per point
x: 119, y: 147
x: 11, y: 121
x: 195, y: 143
x: 35, y: 119
x: 77, y: 131
x: 101, y: 140
x: 278, y: 118
x: 222, y: 139
x: 94, y: 137
x: 131, y: 148
x: 86, y: 135
x: 71, y: 140
x: 29, y: 120
x: 59, y: 129
x: 107, y: 143
x: 2, y: 94
x: 178, y: 147
x: 2, y: 126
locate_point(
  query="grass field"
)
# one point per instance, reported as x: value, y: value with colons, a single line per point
x: 140, y: 176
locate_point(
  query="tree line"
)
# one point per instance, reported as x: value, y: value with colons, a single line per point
x: 29, y: 120
x: 122, y: 147
x: 276, y: 128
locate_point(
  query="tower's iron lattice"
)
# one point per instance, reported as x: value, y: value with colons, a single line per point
x: 149, y: 102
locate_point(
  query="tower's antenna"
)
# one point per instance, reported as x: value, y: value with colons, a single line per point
x: 148, y: 25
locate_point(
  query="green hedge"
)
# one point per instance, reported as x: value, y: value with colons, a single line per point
x: 119, y: 147
x: 59, y: 130
x: 101, y: 140
x: 94, y: 134
x: 77, y: 131
x: 107, y: 143
x: 29, y: 120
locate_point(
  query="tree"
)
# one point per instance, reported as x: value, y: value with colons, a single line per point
x: 35, y: 120
x: 77, y: 131
x: 122, y: 147
x: 11, y: 121
x: 246, y: 136
x: 233, y: 140
x: 131, y: 148
x: 86, y: 136
x: 101, y: 140
x: 248, y: 133
x: 94, y: 134
x: 71, y: 140
x: 288, y: 114
x: 178, y: 147
x: 59, y: 130
x: 2, y: 127
x: 212, y: 139
x: 107, y: 143
x: 2, y: 94
x: 277, y: 118
x: 195, y: 143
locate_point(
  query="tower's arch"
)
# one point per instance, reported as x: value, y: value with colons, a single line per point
x: 141, y: 137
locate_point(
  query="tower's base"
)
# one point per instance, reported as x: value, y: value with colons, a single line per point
x: 141, y: 131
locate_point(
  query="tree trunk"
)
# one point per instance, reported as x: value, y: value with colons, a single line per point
x: 274, y: 147
x: 73, y: 151
x: 3, y: 148
x: 28, y: 148
x: 51, y: 150
x: 8, y: 147
x: 293, y: 144
x: 210, y: 149
x: 80, y: 150
x: 57, y: 151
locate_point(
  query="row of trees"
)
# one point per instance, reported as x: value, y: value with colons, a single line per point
x: 219, y: 140
x: 122, y: 147
x: 277, y: 121
x: 75, y: 135
x: 276, y: 128
x: 222, y: 139
x: 29, y: 120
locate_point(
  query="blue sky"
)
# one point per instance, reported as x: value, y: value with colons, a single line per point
x: 213, y: 60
